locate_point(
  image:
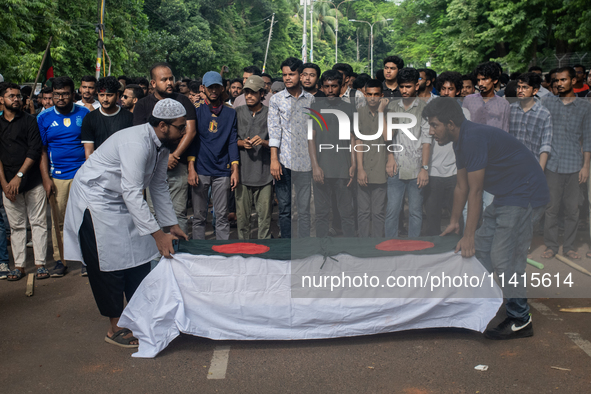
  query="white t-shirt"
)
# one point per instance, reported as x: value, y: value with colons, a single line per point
x: 443, y: 158
x: 95, y: 103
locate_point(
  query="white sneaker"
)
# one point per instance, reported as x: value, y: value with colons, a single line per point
x: 30, y: 244
x: 4, y: 270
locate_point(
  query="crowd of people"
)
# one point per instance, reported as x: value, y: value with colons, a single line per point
x: 499, y: 153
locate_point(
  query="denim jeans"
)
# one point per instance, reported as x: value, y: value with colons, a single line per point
x: 302, y: 183
x: 3, y: 243
x: 501, y: 246
x: 396, y: 189
x: 283, y: 192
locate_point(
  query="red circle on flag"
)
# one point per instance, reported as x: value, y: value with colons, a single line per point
x: 404, y: 245
x: 241, y: 248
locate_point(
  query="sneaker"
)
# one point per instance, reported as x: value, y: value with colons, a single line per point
x: 59, y: 270
x: 83, y: 271
x: 30, y: 244
x: 4, y: 270
x: 511, y: 329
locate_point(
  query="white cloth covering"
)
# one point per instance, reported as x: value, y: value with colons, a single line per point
x: 236, y: 298
x: 110, y: 184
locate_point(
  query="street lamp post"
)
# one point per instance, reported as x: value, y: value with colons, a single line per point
x: 336, y: 27
x: 370, y: 37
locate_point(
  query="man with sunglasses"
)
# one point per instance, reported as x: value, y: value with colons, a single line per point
x: 60, y: 130
x: 131, y: 95
x: 25, y: 182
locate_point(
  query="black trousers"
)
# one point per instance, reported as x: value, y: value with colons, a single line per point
x: 439, y: 194
x: 108, y: 287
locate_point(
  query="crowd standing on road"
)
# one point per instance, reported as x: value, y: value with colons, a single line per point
x: 246, y: 146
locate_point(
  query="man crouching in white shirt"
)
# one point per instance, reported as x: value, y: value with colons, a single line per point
x: 108, y: 225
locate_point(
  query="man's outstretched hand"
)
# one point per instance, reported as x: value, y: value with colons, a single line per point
x: 466, y: 244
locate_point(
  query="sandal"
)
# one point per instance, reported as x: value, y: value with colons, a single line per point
x: 117, y: 339
x: 573, y: 255
x: 15, y: 275
x: 548, y: 254
x: 42, y: 273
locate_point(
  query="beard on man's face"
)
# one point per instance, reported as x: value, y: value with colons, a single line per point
x: 15, y: 106
x: 164, y: 93
x: 170, y: 144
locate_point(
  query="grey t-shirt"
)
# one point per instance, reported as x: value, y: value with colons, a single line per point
x: 255, y: 163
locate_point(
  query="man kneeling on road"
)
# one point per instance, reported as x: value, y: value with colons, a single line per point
x: 491, y: 159
x: 108, y: 225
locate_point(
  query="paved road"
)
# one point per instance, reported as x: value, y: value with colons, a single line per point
x: 53, y: 342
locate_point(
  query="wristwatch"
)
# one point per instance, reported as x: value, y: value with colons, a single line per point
x: 20, y: 174
x: 426, y: 168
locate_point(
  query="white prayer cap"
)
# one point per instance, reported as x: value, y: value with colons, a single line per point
x: 1, y: 78
x: 168, y: 109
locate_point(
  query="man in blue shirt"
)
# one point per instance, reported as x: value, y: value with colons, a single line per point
x: 491, y: 159
x: 213, y: 158
x: 60, y: 129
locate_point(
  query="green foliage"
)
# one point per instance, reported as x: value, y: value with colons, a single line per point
x: 196, y: 36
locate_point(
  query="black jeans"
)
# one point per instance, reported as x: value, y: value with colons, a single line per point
x: 322, y: 203
x: 439, y: 194
x: 108, y: 287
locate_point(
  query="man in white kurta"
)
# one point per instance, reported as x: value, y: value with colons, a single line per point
x: 108, y: 225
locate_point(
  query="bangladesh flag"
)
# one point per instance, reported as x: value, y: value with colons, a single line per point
x: 46, y: 68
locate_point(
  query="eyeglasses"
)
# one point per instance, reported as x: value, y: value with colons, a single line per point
x: 60, y: 95
x: 126, y: 97
x: 14, y: 97
x: 180, y: 129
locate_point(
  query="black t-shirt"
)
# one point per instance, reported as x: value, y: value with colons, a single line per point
x: 143, y: 109
x: 334, y: 162
x: 97, y: 126
x: 19, y: 140
x: 319, y: 93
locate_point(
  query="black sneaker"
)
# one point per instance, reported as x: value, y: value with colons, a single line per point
x: 511, y: 329
x: 83, y: 271
x: 59, y: 270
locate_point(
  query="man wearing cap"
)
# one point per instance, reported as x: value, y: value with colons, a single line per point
x: 163, y: 83
x: 255, y: 159
x: 108, y: 225
x: 213, y: 158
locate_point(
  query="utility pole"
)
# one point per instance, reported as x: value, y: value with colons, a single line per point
x: 99, y: 42
x: 370, y: 38
x: 358, y: 45
x: 269, y: 41
x: 304, y: 34
x: 312, y: 31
